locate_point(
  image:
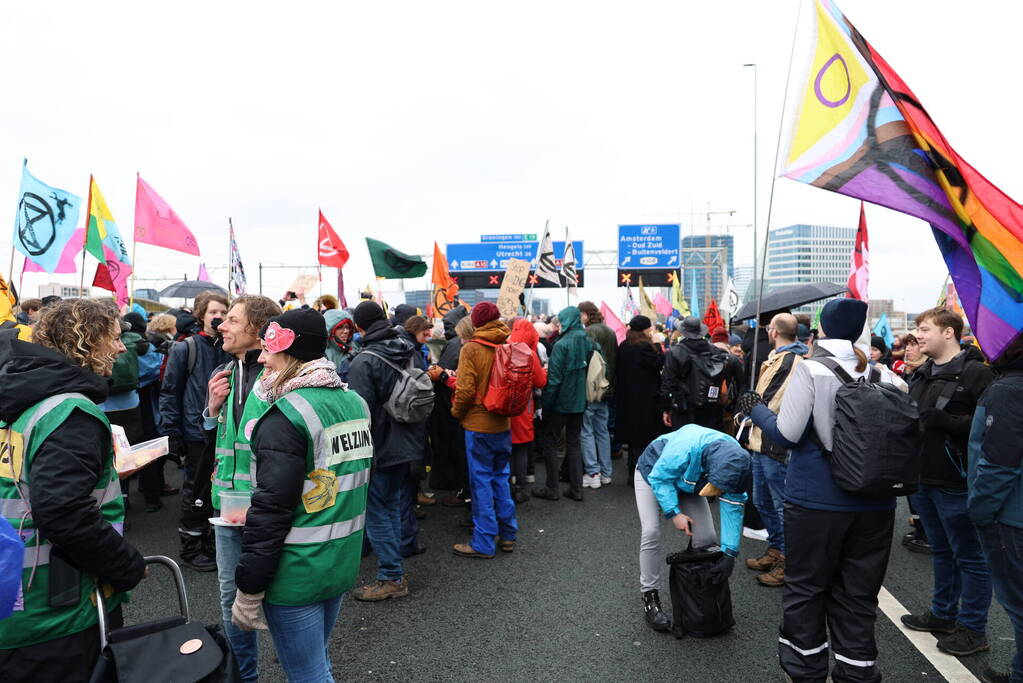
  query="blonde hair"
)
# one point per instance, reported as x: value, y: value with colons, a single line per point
x: 465, y: 329
x: 164, y: 323
x: 78, y: 328
x: 289, y: 373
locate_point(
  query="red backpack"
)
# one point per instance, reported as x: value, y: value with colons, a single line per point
x: 511, y: 378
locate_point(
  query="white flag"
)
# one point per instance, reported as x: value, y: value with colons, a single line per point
x: 732, y: 300
x: 545, y: 267
x: 568, y: 264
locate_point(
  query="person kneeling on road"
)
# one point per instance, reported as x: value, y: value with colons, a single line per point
x: 674, y: 476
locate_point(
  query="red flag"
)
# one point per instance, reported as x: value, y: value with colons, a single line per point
x: 858, y: 269
x: 712, y: 318
x: 444, y: 287
x: 332, y: 251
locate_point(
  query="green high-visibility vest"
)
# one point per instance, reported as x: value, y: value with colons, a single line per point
x: 321, y: 554
x: 34, y: 620
x: 234, y: 453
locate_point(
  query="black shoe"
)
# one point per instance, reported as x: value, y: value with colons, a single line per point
x: 574, y: 494
x: 521, y: 495
x: 964, y: 642
x: 916, y: 542
x: 200, y: 563
x: 545, y: 493
x: 155, y: 506
x: 928, y: 622
x: 989, y: 675
x: 655, y: 616
x: 418, y: 549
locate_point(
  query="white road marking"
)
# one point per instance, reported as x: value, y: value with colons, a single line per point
x: 947, y: 665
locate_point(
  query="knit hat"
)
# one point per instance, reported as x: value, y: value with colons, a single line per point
x: 367, y: 313
x: 802, y: 333
x: 639, y: 323
x: 300, y: 332
x: 878, y: 343
x: 718, y: 335
x: 692, y: 328
x: 843, y: 319
x: 402, y: 312
x: 483, y: 313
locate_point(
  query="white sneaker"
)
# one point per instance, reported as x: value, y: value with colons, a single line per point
x: 605, y: 480
x: 530, y: 478
x: 591, y: 481
x: 755, y: 534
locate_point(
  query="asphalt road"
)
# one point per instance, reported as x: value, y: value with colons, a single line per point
x: 564, y: 606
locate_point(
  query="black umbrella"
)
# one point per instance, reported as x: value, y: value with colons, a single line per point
x: 788, y: 298
x: 188, y: 289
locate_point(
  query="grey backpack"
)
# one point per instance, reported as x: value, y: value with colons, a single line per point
x: 411, y: 399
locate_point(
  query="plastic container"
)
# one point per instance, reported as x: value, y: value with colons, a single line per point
x: 234, y: 506
x: 128, y: 458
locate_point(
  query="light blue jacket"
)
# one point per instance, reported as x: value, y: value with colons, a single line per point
x: 686, y: 460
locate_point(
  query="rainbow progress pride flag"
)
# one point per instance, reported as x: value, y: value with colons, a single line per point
x: 860, y: 131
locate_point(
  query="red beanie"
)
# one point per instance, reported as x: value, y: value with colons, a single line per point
x: 719, y: 335
x: 484, y: 312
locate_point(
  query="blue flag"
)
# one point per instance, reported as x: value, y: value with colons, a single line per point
x: 45, y: 222
x: 884, y: 330
x: 694, y: 302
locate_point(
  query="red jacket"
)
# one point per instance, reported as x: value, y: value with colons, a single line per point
x: 522, y: 425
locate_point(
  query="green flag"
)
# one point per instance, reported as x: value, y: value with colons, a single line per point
x: 388, y: 262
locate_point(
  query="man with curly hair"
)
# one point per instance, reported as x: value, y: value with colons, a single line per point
x: 57, y: 453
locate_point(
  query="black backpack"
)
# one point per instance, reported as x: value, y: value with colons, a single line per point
x: 701, y: 605
x: 875, y: 436
x: 707, y: 377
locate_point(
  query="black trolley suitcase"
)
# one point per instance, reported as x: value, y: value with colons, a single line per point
x: 168, y: 649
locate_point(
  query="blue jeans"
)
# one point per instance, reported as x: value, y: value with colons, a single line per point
x: 301, y: 635
x: 962, y: 580
x: 493, y: 510
x: 383, y: 519
x: 244, y: 644
x: 769, y: 497
x: 595, y: 439
x: 1003, y: 546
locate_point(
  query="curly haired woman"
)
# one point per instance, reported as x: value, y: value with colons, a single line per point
x: 57, y: 443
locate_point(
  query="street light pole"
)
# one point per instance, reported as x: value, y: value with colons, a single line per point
x: 755, y: 238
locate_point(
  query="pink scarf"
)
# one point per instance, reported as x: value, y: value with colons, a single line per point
x: 316, y: 373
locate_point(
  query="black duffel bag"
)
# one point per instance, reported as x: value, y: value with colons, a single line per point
x: 701, y: 600
x: 167, y: 650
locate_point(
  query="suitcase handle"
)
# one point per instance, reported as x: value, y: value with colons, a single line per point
x: 179, y: 583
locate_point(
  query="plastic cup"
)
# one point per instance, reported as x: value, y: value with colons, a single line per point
x: 234, y: 506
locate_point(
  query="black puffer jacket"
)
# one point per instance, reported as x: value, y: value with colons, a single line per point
x: 280, y: 453
x: 67, y: 466
x: 944, y: 451
x: 394, y: 443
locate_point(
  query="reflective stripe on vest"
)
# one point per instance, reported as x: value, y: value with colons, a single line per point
x: 18, y: 508
x: 327, y: 532
x: 313, y: 424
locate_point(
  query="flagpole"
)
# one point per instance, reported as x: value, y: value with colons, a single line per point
x: 230, y: 259
x: 770, y: 199
x: 532, y: 283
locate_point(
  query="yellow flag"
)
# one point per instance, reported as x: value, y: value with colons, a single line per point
x: 646, y: 306
x: 677, y: 301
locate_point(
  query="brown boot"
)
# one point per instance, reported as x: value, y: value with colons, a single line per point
x: 776, y: 577
x: 466, y: 550
x: 765, y: 561
x: 381, y: 590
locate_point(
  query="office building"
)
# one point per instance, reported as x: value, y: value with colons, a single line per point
x: 710, y: 258
x: 63, y: 291
x: 800, y: 254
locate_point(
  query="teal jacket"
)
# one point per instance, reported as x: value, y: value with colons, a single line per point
x: 995, y: 480
x: 566, y: 372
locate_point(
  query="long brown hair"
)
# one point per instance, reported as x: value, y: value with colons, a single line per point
x: 861, y: 359
x: 289, y: 373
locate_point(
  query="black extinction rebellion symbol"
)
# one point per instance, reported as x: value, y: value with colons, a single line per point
x: 37, y: 226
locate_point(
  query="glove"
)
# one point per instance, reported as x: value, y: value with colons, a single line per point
x: 746, y: 401
x: 245, y: 613
x: 141, y: 347
x: 722, y: 569
x: 935, y: 420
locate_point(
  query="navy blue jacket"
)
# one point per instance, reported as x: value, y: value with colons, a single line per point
x: 996, y: 453
x: 183, y: 395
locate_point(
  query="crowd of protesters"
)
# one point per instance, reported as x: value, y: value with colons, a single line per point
x: 333, y: 422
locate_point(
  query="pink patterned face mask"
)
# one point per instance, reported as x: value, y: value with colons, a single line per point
x: 278, y: 338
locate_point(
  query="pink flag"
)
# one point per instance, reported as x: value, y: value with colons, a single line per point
x: 156, y: 223
x: 662, y: 305
x: 67, y: 257
x: 203, y: 275
x: 859, y: 269
x: 612, y: 321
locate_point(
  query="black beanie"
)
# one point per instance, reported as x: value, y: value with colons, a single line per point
x: 300, y: 332
x: 640, y: 323
x: 367, y: 313
x: 843, y: 319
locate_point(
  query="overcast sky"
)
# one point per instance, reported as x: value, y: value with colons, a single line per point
x: 413, y: 122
